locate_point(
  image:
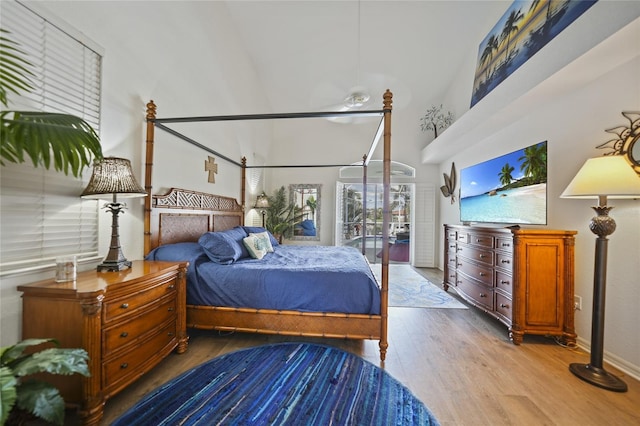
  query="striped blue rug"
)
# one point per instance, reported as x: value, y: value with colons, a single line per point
x: 281, y: 384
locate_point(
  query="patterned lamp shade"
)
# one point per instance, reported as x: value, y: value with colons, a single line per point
x: 113, y: 176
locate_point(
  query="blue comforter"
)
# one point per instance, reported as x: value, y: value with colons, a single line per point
x: 300, y: 278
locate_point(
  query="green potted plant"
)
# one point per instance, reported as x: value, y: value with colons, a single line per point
x: 281, y: 215
x: 24, y: 396
x: 65, y: 140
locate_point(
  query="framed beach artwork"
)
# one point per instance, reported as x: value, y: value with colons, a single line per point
x: 525, y: 28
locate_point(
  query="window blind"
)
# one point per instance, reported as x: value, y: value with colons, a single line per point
x: 41, y: 213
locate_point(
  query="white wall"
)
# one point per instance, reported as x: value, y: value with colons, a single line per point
x: 571, y: 108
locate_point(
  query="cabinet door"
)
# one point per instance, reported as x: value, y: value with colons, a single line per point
x: 540, y: 285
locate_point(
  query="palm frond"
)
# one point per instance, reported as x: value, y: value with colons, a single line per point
x: 39, y: 134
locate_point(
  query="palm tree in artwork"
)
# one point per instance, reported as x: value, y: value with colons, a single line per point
x: 487, y: 53
x: 505, y: 174
x: 535, y: 4
x: 534, y: 162
x: 510, y: 27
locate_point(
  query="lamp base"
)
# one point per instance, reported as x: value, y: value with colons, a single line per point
x: 598, y: 377
x: 110, y: 266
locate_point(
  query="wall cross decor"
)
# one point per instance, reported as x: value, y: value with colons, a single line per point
x: 212, y: 168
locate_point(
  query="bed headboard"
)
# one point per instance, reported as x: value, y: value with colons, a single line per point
x: 182, y: 215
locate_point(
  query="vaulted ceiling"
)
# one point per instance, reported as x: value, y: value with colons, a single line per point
x: 309, y: 55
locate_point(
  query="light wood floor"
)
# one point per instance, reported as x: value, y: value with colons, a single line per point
x: 460, y: 363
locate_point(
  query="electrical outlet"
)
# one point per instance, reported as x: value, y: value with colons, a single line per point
x: 577, y: 303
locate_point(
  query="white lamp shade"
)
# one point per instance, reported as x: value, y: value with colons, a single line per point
x: 611, y: 176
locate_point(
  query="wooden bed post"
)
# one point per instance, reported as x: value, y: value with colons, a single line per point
x: 386, y: 182
x: 243, y: 187
x: 148, y: 168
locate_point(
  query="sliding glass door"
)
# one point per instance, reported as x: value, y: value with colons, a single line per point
x: 352, y: 230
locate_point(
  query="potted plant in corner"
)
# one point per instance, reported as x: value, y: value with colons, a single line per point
x: 24, y: 397
x: 281, y: 215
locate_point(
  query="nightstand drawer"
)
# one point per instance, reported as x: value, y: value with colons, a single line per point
x: 128, y: 332
x: 121, y: 367
x: 114, y: 309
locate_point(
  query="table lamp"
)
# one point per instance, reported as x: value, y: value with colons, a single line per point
x: 113, y: 177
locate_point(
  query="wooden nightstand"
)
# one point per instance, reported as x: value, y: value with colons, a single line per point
x: 127, y: 321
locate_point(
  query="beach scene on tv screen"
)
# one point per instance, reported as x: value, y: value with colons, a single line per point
x: 508, y: 189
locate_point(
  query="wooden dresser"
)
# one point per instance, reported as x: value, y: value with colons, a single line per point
x: 127, y: 321
x: 522, y: 277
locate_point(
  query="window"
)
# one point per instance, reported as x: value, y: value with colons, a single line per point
x: 41, y: 213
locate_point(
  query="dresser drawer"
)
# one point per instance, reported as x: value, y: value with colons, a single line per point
x: 504, y: 244
x: 504, y: 282
x: 481, y: 240
x: 116, y: 308
x: 484, y: 274
x: 504, y: 307
x: 119, y: 369
x: 478, y: 254
x: 479, y: 294
x: 504, y: 260
x: 127, y: 332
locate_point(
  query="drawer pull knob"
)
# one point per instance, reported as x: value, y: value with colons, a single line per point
x: 483, y: 295
x: 506, y: 245
x: 504, y: 261
x: 172, y: 286
x: 170, y: 334
x: 502, y: 305
x: 482, y: 256
x: 504, y: 282
x: 124, y: 365
x: 124, y: 305
x: 170, y: 309
x: 124, y: 334
x: 459, y: 264
x: 482, y: 274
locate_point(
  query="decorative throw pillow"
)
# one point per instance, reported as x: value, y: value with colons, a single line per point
x: 258, y: 230
x: 256, y: 246
x: 264, y: 237
x: 224, y: 247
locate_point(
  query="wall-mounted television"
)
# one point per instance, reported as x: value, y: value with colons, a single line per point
x: 510, y: 189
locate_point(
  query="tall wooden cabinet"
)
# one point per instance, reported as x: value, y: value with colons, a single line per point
x: 522, y: 277
x: 127, y: 321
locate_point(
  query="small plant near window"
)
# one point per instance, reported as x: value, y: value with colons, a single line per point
x: 435, y: 119
x: 22, y: 396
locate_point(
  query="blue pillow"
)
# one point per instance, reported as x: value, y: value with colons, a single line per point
x: 224, y: 247
x: 176, y: 252
x: 307, y: 224
x: 259, y: 229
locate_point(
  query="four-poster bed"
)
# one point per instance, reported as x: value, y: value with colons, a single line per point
x: 183, y: 216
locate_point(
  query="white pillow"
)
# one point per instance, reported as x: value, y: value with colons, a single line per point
x: 255, y: 246
x: 264, y: 236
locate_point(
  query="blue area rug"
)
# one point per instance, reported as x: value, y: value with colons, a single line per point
x: 409, y: 289
x: 281, y: 384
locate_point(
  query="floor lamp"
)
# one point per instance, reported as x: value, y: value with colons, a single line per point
x: 112, y: 178
x: 262, y: 203
x: 601, y: 178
